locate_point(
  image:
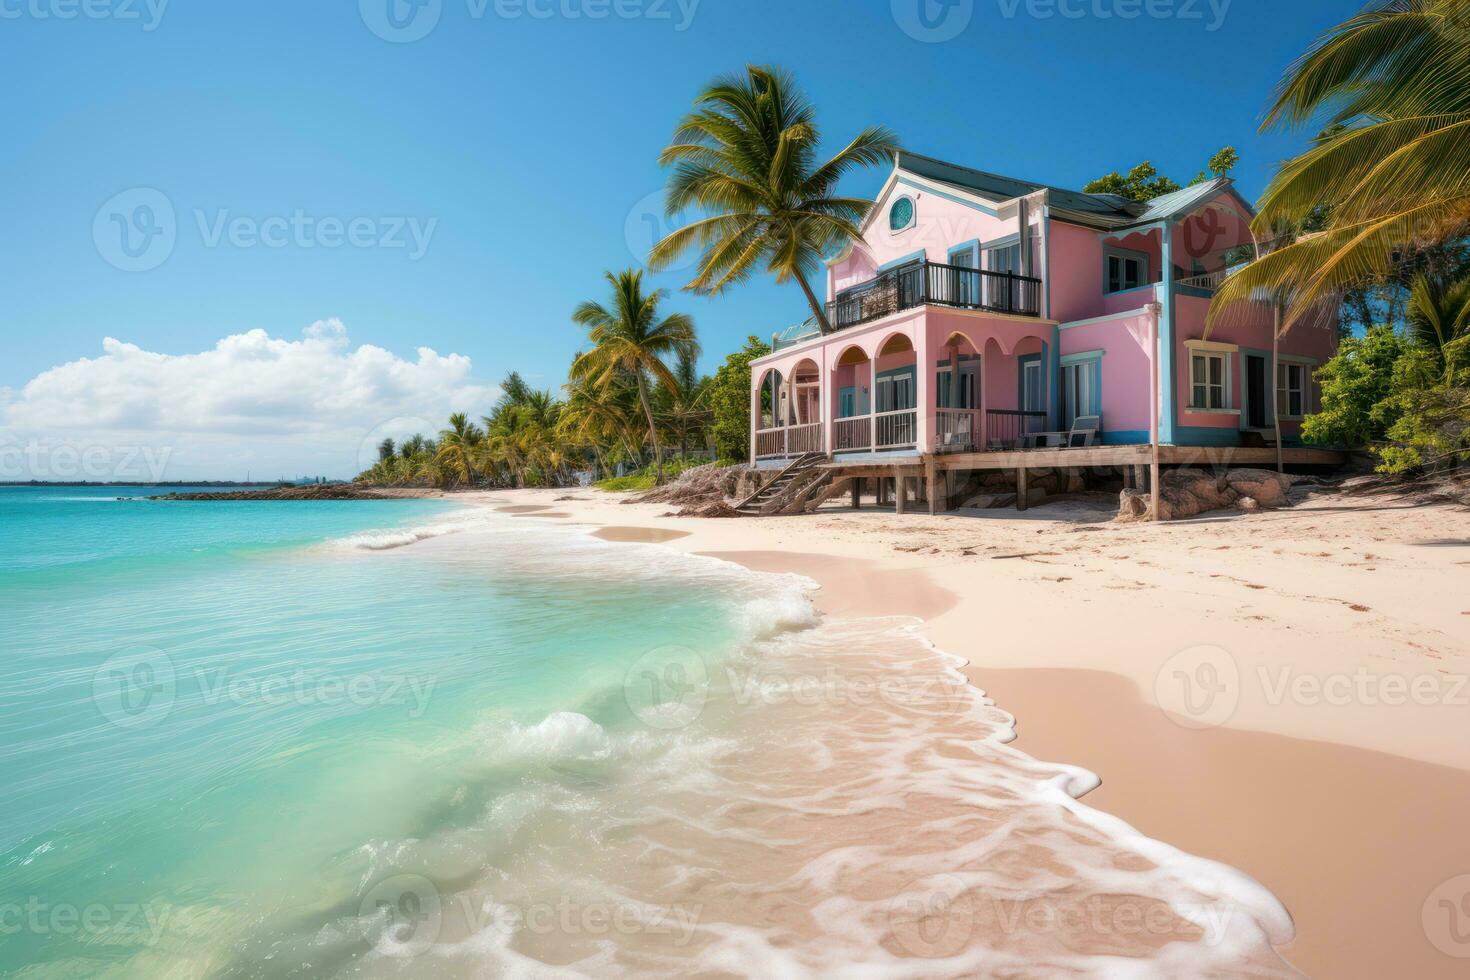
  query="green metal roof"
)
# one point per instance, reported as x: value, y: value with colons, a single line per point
x: 1108, y: 206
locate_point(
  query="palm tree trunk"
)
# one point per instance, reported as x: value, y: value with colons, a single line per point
x: 1275, y: 368
x: 811, y: 298
x: 658, y: 452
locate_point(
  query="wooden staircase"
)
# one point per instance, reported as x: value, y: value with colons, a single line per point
x: 798, y: 482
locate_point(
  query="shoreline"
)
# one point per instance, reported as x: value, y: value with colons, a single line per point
x: 1278, y: 794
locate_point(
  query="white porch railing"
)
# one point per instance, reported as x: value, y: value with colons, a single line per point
x: 788, y: 440
x: 896, y: 430
x: 852, y: 433
x: 956, y: 430
x: 804, y: 439
x: 770, y: 443
x: 1206, y: 280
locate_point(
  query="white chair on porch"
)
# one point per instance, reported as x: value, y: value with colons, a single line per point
x: 1086, y: 431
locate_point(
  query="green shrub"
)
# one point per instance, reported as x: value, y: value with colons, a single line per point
x: 617, y: 484
x: 1356, y: 385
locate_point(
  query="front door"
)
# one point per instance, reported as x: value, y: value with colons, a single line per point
x: 1255, y: 391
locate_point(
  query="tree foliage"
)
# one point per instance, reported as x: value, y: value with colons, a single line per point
x: 1144, y: 182
x: 746, y: 159
x: 729, y: 399
x: 1391, y: 171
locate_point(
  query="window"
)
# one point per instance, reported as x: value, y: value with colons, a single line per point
x: 901, y: 215
x: 1291, y: 389
x: 967, y: 285
x: 1207, y: 381
x: 1005, y: 258
x: 944, y: 381
x: 1081, y: 390
x: 1032, y: 392
x: 1126, y: 271
x: 896, y: 391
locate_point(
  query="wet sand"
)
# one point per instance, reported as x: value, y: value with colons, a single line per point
x: 1353, y: 813
x: 639, y: 535
x: 1352, y: 841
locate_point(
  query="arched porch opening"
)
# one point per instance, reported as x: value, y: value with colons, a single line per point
x: 772, y: 399
x: 1016, y: 393
x: 895, y: 394
x: 851, y: 393
x: 958, y: 393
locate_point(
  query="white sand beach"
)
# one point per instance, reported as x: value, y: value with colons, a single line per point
x: 1284, y: 692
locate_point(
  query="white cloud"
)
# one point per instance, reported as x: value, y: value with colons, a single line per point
x: 253, y: 402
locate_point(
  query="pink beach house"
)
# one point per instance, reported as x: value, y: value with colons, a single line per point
x: 981, y: 313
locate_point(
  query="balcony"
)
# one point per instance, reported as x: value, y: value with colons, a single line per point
x: 941, y: 285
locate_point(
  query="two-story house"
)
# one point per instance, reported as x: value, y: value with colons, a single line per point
x: 976, y: 309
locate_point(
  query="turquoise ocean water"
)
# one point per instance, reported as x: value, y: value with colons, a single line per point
x: 219, y: 717
x: 416, y: 738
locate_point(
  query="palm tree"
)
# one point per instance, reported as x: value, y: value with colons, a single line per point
x: 457, y: 447
x: 1391, y: 171
x: 745, y: 156
x: 596, y: 417
x: 685, y: 405
x: 1438, y: 314
x: 630, y: 338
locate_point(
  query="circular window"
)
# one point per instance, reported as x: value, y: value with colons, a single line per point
x: 901, y: 215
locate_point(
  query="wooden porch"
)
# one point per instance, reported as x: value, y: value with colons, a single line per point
x: 1133, y: 460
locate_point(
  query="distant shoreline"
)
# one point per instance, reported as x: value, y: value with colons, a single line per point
x: 143, y: 483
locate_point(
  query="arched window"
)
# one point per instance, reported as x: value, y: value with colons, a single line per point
x: 901, y: 215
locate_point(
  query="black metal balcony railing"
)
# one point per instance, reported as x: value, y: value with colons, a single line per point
x: 942, y: 285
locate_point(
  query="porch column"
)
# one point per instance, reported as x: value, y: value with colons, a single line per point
x: 983, y: 436
x: 924, y: 367
x: 872, y: 404
x: 755, y: 410
x: 824, y: 397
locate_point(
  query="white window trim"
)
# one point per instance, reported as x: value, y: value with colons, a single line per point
x: 1123, y: 254
x: 1214, y: 346
x: 1306, y: 364
x: 913, y: 213
x: 1200, y: 348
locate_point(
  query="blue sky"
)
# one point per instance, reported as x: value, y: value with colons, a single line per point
x: 518, y: 139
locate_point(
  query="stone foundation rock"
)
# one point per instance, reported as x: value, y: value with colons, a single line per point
x: 1187, y: 493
